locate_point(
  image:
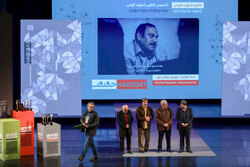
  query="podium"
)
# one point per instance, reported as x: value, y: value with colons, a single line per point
x: 9, y: 139
x: 26, y: 130
x: 49, y: 140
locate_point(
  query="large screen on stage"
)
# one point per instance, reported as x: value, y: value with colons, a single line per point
x: 236, y: 69
x: 150, y: 48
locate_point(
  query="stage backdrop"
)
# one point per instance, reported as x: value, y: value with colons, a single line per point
x: 6, y: 65
x: 189, y: 47
x: 51, y: 66
x: 236, y: 69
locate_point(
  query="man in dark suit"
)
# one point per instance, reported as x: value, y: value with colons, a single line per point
x: 184, y: 117
x: 90, y: 120
x: 125, y: 120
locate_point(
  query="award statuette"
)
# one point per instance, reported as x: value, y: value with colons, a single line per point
x: 25, y: 104
x: 30, y: 105
x: 16, y: 105
x: 51, y: 115
x: 47, y: 120
x: 20, y: 105
x: 43, y: 122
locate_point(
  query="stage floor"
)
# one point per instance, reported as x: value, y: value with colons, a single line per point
x: 230, y: 143
x: 199, y: 147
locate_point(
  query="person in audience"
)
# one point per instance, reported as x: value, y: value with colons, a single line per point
x: 125, y: 120
x: 90, y: 120
x: 144, y: 115
x: 164, y: 117
x: 184, y: 118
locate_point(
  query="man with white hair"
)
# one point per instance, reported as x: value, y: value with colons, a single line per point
x: 164, y: 117
x: 125, y: 120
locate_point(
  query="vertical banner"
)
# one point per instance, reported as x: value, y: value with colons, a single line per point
x: 236, y: 69
x: 51, y: 66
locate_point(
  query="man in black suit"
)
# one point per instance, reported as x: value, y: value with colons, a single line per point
x: 125, y: 120
x: 184, y: 117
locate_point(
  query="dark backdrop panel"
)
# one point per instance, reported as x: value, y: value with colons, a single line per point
x: 6, y: 45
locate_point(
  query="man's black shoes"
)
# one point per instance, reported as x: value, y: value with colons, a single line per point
x: 180, y: 151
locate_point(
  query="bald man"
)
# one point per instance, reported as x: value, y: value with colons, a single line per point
x: 125, y: 120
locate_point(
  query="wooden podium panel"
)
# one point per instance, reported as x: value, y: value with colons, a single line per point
x: 9, y: 139
x: 26, y: 130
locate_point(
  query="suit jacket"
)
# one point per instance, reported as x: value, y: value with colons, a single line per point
x: 122, y: 123
x: 140, y: 116
x: 159, y: 116
x: 189, y: 118
x: 93, y: 122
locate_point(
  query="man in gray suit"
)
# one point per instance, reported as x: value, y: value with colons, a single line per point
x: 184, y: 117
x: 125, y: 120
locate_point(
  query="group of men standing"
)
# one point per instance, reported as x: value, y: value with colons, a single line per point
x: 164, y: 117
x: 144, y: 114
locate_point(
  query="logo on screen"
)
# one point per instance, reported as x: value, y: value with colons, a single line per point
x: 104, y: 84
x: 132, y: 84
x: 27, y: 52
x: 119, y: 84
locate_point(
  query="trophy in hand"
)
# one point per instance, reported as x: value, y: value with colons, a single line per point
x: 51, y: 115
x: 43, y: 121
x: 16, y: 105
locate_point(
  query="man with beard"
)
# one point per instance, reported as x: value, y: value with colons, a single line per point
x: 142, y: 52
x: 184, y: 118
x: 144, y: 115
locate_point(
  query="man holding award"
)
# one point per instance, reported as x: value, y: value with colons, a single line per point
x: 90, y: 120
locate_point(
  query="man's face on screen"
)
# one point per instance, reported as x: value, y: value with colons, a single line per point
x: 91, y: 107
x: 149, y: 40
